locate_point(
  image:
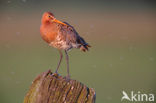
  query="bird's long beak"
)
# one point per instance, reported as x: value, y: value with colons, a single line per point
x: 57, y: 21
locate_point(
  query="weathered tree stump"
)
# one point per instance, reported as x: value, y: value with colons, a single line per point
x: 52, y: 88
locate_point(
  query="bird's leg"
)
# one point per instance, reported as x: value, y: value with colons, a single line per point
x: 61, y: 56
x: 67, y: 60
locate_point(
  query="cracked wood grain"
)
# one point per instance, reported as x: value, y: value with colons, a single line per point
x: 52, y: 88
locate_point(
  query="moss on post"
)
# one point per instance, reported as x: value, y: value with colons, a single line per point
x: 52, y: 88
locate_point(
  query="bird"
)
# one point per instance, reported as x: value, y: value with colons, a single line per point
x: 62, y: 36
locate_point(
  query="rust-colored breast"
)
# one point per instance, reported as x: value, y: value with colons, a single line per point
x: 49, y: 32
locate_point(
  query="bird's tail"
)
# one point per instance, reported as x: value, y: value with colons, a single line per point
x: 85, y: 47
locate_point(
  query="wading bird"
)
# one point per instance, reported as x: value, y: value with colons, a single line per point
x: 62, y: 36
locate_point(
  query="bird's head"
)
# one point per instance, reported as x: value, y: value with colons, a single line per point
x: 49, y: 17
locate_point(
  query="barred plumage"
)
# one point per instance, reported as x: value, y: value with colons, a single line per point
x: 61, y: 35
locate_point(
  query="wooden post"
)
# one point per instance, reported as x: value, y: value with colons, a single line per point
x: 52, y: 88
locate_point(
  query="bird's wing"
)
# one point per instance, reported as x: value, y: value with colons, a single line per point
x: 73, y: 37
x: 70, y: 33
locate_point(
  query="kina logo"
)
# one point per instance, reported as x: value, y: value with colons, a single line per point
x: 138, y: 96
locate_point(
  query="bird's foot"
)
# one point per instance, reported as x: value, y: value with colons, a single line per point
x: 56, y: 71
x: 67, y: 78
x: 55, y: 74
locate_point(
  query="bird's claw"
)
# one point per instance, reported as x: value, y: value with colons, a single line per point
x: 55, y: 74
x: 67, y: 78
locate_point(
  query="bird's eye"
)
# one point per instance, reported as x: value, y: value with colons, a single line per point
x: 49, y: 16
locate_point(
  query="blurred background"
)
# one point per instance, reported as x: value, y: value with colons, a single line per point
x: 122, y: 34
